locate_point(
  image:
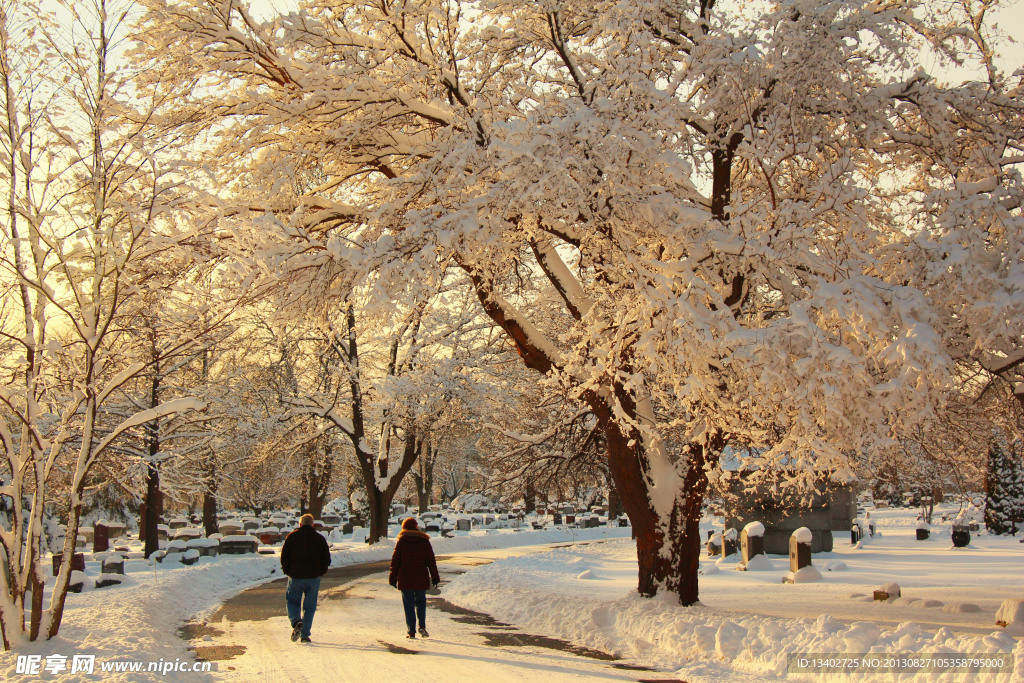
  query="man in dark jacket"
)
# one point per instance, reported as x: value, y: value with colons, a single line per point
x: 305, y: 557
x: 413, y: 571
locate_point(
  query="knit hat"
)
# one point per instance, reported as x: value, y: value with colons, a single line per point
x: 410, y: 523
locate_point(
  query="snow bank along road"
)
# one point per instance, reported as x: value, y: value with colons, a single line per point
x: 359, y: 635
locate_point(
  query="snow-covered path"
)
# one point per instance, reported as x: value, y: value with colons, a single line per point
x: 359, y: 634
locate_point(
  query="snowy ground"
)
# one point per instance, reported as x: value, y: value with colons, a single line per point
x: 750, y: 622
x: 747, y: 625
x: 359, y: 635
x: 139, y: 621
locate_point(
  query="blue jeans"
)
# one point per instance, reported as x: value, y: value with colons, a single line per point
x: 415, y: 602
x: 301, y: 594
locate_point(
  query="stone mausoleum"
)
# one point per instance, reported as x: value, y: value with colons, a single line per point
x: 830, y: 507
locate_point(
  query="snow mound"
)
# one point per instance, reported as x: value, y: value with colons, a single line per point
x: 709, y: 570
x: 760, y: 563
x: 590, y: 575
x: 961, y: 608
x: 1011, y: 614
x: 836, y: 566
x: 861, y: 636
x: 729, y: 639
x: 892, y: 588
x: 908, y: 602
x: 806, y: 575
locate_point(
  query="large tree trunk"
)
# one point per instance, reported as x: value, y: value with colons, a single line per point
x: 151, y: 508
x: 668, y: 550
x: 530, y: 497
x: 379, y: 500
x: 154, y: 497
x: 319, y: 482
x: 668, y: 545
x: 422, y: 494
x: 210, y: 513
x: 614, y: 501
x: 316, y: 481
x: 378, y: 511
x: 424, y: 478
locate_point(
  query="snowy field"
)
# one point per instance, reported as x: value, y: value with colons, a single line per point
x: 750, y: 622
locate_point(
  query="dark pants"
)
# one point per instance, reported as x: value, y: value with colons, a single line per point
x: 415, y: 603
x: 301, y: 598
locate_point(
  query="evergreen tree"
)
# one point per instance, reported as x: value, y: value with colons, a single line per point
x: 1004, y: 489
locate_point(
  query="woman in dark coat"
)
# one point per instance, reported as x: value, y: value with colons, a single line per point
x: 413, y: 571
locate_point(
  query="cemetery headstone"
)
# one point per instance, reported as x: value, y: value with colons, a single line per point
x: 113, y: 565
x: 464, y: 524
x: 923, y: 530
x: 207, y: 547
x: 961, y: 536
x: 556, y: 518
x: 800, y: 568
x: 187, y: 534
x: 751, y: 543
x: 104, y: 580
x: 238, y: 545
x: 100, y: 539
x: 730, y: 546
x: 77, y: 581
x: 77, y: 562
x: 714, y: 545
x: 115, y: 529
x: 173, y: 551
x: 855, y: 534
x: 800, y: 549
x: 889, y: 591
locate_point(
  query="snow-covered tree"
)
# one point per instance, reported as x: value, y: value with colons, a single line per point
x: 698, y: 217
x: 85, y: 190
x: 1004, y: 490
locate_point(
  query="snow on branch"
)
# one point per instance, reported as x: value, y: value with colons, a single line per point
x: 178, y: 405
x: 1000, y: 365
x: 305, y: 407
x: 979, y: 187
x: 560, y: 276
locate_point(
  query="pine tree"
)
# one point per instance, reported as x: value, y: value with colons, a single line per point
x: 1004, y: 488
